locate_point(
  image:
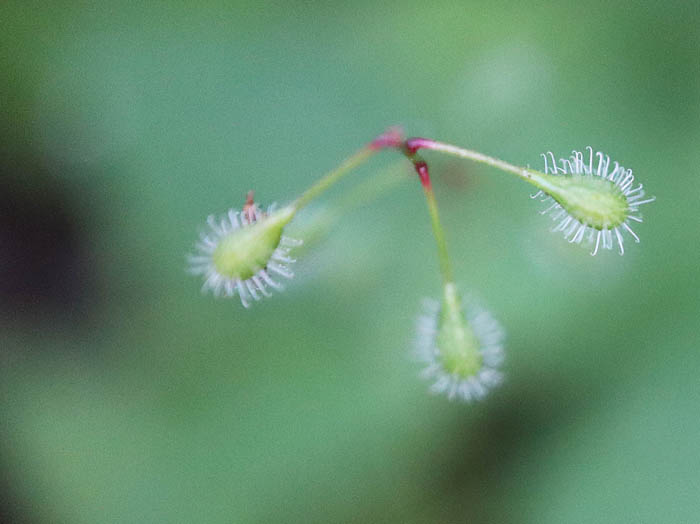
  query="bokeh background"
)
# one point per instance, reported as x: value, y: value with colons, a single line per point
x: 127, y: 396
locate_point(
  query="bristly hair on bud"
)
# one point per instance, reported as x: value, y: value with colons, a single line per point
x: 239, y: 251
x: 462, y: 354
x: 589, y: 199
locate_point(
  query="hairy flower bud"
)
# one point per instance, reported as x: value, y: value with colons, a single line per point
x: 461, y: 354
x: 241, y: 249
x: 588, y: 199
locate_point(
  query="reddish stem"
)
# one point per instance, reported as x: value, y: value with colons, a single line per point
x: 393, y: 138
x: 413, y: 144
x: 422, y: 170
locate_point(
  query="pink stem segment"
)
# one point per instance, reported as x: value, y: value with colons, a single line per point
x: 393, y: 139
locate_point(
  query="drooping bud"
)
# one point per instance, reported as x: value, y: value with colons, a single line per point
x: 461, y: 353
x: 241, y: 249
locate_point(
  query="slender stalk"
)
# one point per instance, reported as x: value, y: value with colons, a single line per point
x: 414, y: 144
x: 360, y: 195
x: 372, y: 188
x: 438, y: 231
x: 334, y: 176
x: 390, y: 139
x: 393, y: 139
x: 538, y: 179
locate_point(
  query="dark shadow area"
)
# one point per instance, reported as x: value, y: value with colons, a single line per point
x: 46, y: 279
x: 11, y: 511
x: 8, y: 515
x: 468, y: 476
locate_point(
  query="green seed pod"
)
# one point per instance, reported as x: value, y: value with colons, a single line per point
x: 241, y: 249
x: 588, y: 199
x: 462, y: 354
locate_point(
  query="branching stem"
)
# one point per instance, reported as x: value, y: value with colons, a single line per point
x: 393, y: 139
x: 421, y: 168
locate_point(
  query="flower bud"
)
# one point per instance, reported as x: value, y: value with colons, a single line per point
x: 588, y: 199
x: 241, y: 249
x: 461, y: 354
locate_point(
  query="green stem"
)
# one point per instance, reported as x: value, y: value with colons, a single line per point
x: 362, y: 194
x: 439, y: 233
x: 540, y: 180
x: 424, y: 143
x: 421, y: 168
x: 373, y: 187
x: 334, y: 176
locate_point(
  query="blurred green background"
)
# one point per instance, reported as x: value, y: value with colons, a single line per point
x: 127, y: 396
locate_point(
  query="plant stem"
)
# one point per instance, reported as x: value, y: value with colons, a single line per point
x: 391, y: 138
x: 331, y: 178
x: 414, y: 144
x: 438, y: 231
x: 542, y: 181
x: 360, y: 195
x: 394, y: 140
x: 372, y: 188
